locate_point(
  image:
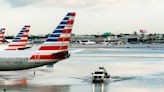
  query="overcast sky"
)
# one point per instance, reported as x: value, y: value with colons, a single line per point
x: 93, y: 16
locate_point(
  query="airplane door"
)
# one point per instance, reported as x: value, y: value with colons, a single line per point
x: 37, y: 59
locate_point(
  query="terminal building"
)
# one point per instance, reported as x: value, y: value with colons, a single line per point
x: 112, y: 39
x: 82, y: 39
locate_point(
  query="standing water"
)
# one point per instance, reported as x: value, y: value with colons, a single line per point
x: 131, y: 70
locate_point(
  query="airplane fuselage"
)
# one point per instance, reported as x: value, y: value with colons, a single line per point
x: 20, y: 60
x: 21, y: 64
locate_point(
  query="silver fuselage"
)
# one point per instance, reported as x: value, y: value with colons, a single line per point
x: 20, y: 60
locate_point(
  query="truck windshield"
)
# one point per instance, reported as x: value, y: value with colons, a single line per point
x: 98, y: 72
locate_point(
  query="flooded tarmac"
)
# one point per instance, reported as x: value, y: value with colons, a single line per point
x: 131, y: 69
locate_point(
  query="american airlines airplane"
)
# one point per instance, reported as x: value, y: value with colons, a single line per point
x: 54, y: 49
x: 19, y: 42
x: 2, y: 31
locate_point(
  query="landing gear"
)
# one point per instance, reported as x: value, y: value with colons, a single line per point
x: 4, y: 90
x: 34, y: 72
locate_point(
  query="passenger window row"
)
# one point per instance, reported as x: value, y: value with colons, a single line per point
x: 13, y: 59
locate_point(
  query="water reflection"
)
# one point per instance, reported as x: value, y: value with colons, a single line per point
x: 34, y: 88
x: 99, y: 87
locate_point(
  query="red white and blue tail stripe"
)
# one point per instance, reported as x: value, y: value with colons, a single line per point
x: 20, y: 41
x: 56, y: 45
x: 59, y: 39
x: 2, y: 31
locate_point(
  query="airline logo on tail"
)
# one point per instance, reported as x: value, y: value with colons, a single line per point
x: 56, y: 45
x: 2, y: 31
x: 20, y: 41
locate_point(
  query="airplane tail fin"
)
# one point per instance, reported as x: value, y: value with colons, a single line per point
x: 56, y: 45
x: 59, y: 39
x: 2, y: 31
x: 20, y: 41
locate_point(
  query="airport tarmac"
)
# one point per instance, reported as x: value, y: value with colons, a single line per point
x: 131, y: 69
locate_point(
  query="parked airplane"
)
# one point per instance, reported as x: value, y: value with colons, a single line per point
x: 2, y: 31
x: 54, y: 49
x: 20, y: 41
x: 86, y: 42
